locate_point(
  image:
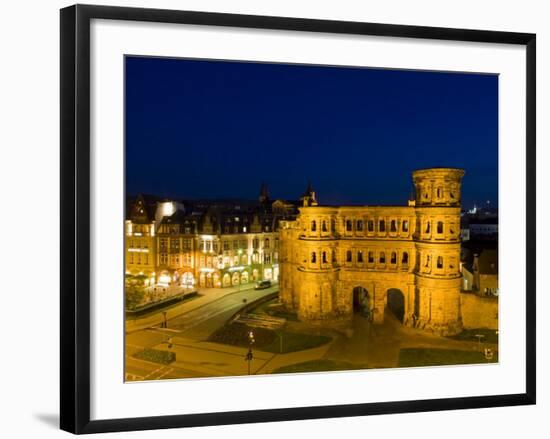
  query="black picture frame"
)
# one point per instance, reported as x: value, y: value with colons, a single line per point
x: 75, y: 217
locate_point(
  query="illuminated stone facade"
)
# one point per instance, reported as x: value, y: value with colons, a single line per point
x: 337, y: 260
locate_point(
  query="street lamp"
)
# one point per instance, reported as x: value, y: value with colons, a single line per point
x: 249, y: 355
x: 240, y: 252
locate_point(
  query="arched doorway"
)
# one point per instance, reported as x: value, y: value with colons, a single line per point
x: 361, y: 301
x: 396, y: 303
x: 236, y: 278
x: 244, y: 277
x: 187, y: 280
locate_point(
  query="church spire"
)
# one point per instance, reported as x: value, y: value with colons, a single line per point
x: 264, y: 193
x: 309, y: 198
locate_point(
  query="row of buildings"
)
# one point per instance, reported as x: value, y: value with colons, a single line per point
x: 210, y: 243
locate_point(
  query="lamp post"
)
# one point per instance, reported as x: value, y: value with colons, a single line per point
x: 240, y: 252
x: 249, y: 355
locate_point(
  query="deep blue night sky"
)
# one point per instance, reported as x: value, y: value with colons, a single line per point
x: 217, y: 129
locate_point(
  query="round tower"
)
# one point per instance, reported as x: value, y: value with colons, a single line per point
x: 317, y: 264
x: 437, y: 241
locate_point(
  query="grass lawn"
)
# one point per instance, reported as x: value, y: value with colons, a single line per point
x: 490, y: 335
x: 318, y: 366
x: 411, y: 357
x: 267, y: 340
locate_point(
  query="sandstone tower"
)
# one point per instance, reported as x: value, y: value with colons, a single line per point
x: 336, y: 260
x: 438, y: 278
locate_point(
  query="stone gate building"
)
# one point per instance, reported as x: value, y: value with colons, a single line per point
x: 335, y: 260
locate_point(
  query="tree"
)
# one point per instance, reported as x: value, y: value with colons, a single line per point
x: 134, y: 288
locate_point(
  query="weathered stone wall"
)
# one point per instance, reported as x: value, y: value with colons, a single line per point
x: 328, y: 251
x: 479, y: 312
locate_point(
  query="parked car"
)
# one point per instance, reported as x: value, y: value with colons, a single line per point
x: 263, y: 284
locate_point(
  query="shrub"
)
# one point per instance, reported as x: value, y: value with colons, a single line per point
x: 156, y: 356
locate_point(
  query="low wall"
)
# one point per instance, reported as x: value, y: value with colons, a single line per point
x: 479, y: 312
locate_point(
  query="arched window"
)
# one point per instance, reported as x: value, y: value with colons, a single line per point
x: 313, y: 226
x: 428, y: 260
x: 333, y: 256
x: 332, y: 225
x: 405, y: 225
x: 393, y: 226
x: 266, y: 243
x: 324, y: 226
x: 348, y: 256
x: 370, y: 225
x: 359, y: 256
x: 393, y: 258
x: 371, y: 257
x: 439, y: 192
x: 440, y: 262
x: 382, y: 258
x: 313, y: 258
x: 440, y: 227
x: 382, y: 226
x: 405, y: 258
x: 428, y: 227
x: 360, y: 225
x: 324, y: 257
x: 348, y: 226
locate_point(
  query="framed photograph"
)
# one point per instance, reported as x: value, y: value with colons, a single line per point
x: 275, y: 218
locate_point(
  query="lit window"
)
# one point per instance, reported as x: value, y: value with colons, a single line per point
x: 382, y: 258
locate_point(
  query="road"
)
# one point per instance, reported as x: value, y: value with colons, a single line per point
x: 188, y: 333
x: 200, y: 323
